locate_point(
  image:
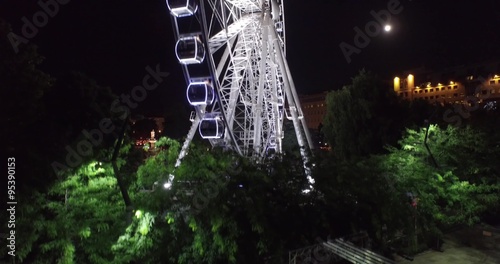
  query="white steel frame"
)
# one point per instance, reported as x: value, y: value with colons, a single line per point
x: 246, y: 57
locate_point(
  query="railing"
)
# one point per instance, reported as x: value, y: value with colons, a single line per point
x: 337, y: 250
x: 354, y: 254
x: 313, y: 254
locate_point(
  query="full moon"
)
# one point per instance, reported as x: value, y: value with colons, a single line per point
x: 387, y: 28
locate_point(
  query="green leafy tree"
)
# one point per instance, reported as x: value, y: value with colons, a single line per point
x: 390, y: 194
x: 76, y: 221
x: 221, y: 209
x: 22, y: 89
x: 447, y: 194
x: 358, y: 196
x: 137, y: 241
x: 362, y: 117
x: 88, y: 216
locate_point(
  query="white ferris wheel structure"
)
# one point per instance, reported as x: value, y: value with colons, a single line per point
x: 233, y: 56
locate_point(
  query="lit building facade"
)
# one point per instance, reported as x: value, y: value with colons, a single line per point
x: 452, y: 85
x: 314, y: 109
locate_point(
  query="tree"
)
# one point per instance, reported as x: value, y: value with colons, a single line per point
x: 362, y: 117
x: 77, y: 221
x: 447, y: 194
x: 358, y: 196
x: 44, y: 115
x: 23, y: 112
x: 289, y: 142
x: 404, y: 192
x: 81, y: 114
x: 222, y: 208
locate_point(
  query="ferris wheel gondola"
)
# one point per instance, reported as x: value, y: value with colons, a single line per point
x: 181, y: 8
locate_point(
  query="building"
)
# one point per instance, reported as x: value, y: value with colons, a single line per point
x: 453, y: 85
x: 314, y: 109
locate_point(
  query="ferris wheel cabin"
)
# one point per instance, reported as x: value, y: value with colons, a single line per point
x: 182, y: 8
x: 190, y: 50
x: 200, y: 93
x: 211, y: 127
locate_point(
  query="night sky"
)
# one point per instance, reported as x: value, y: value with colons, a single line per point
x: 113, y: 41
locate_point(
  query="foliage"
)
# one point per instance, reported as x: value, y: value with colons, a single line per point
x: 58, y: 214
x: 136, y: 242
x: 87, y: 209
x: 29, y: 224
x: 359, y: 196
x: 466, y: 151
x: 23, y: 87
x: 221, y: 209
x: 157, y: 168
x: 22, y: 83
x: 362, y: 117
x: 226, y: 209
x: 44, y: 117
x: 86, y: 102
x: 388, y: 194
x: 76, y: 221
x: 451, y: 193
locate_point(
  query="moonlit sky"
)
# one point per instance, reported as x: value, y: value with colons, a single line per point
x: 113, y: 41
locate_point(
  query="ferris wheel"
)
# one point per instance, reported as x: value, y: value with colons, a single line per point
x: 232, y: 53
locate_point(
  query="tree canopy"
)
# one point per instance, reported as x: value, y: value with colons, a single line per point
x: 389, y: 175
x: 362, y: 117
x: 365, y: 116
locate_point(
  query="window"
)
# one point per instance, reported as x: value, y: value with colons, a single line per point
x: 449, y: 87
x: 455, y: 87
x: 492, y: 82
x: 426, y: 91
x: 432, y: 97
x: 442, y: 89
x: 431, y: 90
